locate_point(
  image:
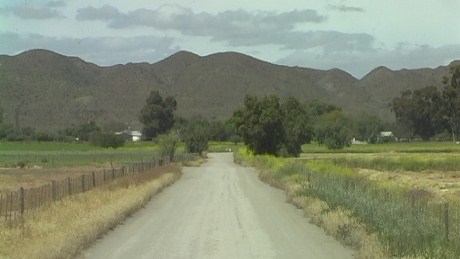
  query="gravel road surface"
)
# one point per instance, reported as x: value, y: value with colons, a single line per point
x: 218, y: 210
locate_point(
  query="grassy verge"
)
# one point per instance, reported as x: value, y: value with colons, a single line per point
x: 336, y: 221
x: 377, y: 218
x: 64, y: 228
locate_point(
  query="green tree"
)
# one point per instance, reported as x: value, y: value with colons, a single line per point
x: 270, y: 127
x: 84, y: 130
x: 44, y: 136
x: 168, y: 143
x: 196, y: 135
x: 157, y: 115
x: 7, y: 132
x: 317, y: 108
x: 232, y: 131
x: 334, y: 130
x: 217, y: 131
x: 106, y: 139
x: 296, y: 126
x: 260, y: 124
x: 368, y: 127
x: 421, y: 110
x: 451, y: 103
x: 1, y: 115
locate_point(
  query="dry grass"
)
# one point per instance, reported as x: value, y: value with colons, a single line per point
x: 64, y: 228
x: 11, y: 179
x: 340, y: 224
x: 444, y: 184
x: 194, y: 163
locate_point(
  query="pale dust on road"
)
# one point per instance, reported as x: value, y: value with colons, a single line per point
x: 218, y: 210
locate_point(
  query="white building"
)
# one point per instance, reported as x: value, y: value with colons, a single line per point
x: 132, y: 135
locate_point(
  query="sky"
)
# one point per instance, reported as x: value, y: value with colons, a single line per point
x: 353, y: 35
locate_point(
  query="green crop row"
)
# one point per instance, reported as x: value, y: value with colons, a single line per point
x: 403, y: 162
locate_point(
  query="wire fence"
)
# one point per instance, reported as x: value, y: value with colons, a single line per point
x: 18, y: 203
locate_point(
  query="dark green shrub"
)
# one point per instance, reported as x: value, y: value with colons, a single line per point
x: 106, y: 140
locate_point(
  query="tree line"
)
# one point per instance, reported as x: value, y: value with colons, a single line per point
x: 269, y: 125
x: 431, y: 112
x: 266, y: 126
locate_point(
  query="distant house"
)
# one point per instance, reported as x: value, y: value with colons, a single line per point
x: 386, y: 136
x: 354, y: 141
x: 131, y: 135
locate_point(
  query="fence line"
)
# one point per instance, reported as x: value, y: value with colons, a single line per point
x: 408, y: 219
x: 18, y: 203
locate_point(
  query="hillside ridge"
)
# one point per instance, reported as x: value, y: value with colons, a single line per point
x: 49, y: 91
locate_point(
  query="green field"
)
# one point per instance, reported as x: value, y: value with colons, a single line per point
x: 398, y: 147
x: 53, y: 155
x: 414, y: 156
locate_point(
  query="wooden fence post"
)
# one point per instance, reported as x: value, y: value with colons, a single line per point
x: 94, y: 180
x: 1, y: 205
x: 69, y: 185
x: 21, y: 201
x: 142, y: 164
x: 11, y: 205
x: 446, y: 220
x: 6, y: 207
x: 53, y: 190
x: 82, y: 183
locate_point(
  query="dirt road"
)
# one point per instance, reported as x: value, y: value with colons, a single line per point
x: 218, y: 210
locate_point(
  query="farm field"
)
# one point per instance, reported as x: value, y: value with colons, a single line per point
x: 69, y: 197
x: 52, y: 155
x: 432, y: 166
x: 32, y: 164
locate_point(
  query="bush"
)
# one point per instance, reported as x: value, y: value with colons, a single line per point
x: 168, y: 144
x: 106, y: 140
x: 333, y: 130
x: 196, y: 135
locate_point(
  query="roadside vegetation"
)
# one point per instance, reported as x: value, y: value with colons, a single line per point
x: 64, y: 228
x: 384, y: 204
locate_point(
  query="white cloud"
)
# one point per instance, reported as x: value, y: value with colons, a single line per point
x: 105, y: 13
x: 345, y: 8
x: 34, y: 12
x: 359, y: 63
x: 353, y: 35
x: 235, y: 27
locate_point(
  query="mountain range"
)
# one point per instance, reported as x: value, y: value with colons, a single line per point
x: 49, y: 91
